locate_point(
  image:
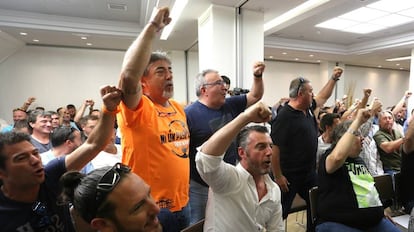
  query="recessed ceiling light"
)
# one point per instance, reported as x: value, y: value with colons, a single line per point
x: 311, y: 55
x: 35, y: 40
x: 23, y: 33
x: 397, y: 64
x: 401, y: 68
x: 318, y: 61
x: 84, y: 37
x: 296, y: 58
x: 117, y: 6
x: 284, y: 53
x: 271, y: 57
x: 89, y: 44
x: 379, y: 66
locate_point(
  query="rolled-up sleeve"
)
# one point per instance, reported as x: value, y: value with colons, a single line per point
x: 220, y: 176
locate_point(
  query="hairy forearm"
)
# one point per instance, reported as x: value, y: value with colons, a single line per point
x: 277, y: 171
x: 391, y: 146
x: 256, y: 91
x: 325, y: 93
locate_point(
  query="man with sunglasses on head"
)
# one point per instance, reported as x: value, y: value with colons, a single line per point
x: 295, y: 137
x: 154, y: 130
x: 29, y: 191
x: 114, y: 199
x: 215, y: 110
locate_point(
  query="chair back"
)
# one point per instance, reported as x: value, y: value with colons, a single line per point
x: 298, y: 204
x: 384, y: 185
x: 313, y: 198
x: 197, y: 227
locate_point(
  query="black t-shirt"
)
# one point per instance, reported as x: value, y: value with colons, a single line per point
x: 407, y: 173
x: 296, y: 135
x: 348, y: 196
x: 43, y: 215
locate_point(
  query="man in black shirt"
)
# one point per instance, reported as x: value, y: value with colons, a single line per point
x: 295, y: 138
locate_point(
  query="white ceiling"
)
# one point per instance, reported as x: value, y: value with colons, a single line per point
x: 63, y: 22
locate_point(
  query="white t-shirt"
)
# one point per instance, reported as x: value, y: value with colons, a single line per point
x: 104, y: 159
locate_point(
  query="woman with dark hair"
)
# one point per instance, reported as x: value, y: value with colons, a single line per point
x: 348, y: 199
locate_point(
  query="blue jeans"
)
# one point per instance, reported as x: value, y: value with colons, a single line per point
x: 168, y: 221
x: 384, y: 225
x: 183, y: 217
x: 198, y: 201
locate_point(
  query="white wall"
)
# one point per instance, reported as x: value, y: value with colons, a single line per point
x: 58, y: 76
x: 388, y: 85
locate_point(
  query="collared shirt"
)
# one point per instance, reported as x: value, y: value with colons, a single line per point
x: 233, y: 203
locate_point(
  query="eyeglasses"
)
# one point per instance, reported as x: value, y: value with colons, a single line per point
x: 108, y: 182
x: 166, y: 114
x: 219, y: 82
x: 301, y: 81
x: 42, y: 219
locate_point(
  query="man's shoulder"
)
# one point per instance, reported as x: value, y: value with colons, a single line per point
x: 55, y: 167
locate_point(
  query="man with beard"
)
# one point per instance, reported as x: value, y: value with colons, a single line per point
x: 154, y: 130
x: 242, y: 197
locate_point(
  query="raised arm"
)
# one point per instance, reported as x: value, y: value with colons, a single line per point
x: 344, y: 147
x: 27, y: 103
x: 81, y: 110
x: 359, y: 105
x: 257, y: 90
x: 404, y: 101
x: 218, y: 143
x: 325, y: 93
x: 137, y: 57
x: 100, y: 135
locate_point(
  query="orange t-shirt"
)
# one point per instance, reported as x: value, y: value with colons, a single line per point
x: 155, y: 142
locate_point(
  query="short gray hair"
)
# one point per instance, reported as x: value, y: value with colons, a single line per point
x: 200, y: 80
x: 156, y: 56
x: 296, y: 85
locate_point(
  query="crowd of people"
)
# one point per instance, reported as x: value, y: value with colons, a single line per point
x: 214, y: 159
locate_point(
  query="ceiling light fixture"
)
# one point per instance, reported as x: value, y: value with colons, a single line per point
x: 23, y: 33
x: 175, y: 13
x: 292, y: 13
x: 89, y: 44
x: 399, y: 58
x: 373, y: 17
x: 35, y: 40
x: 84, y: 37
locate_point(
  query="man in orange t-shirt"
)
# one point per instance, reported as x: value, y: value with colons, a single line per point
x: 155, y: 135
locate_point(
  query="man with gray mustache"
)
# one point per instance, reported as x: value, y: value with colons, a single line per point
x: 154, y: 130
